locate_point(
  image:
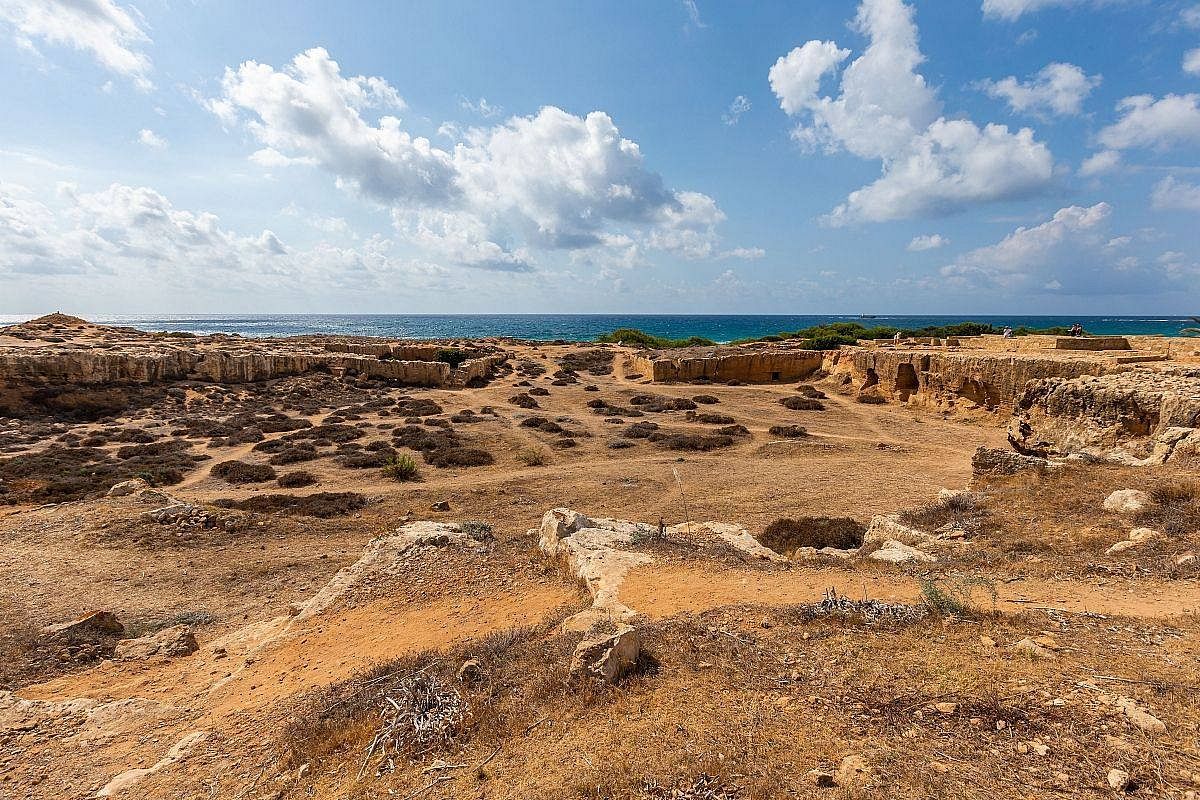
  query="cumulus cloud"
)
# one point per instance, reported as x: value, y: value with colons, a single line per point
x: 927, y: 242
x: 887, y: 111
x: 481, y: 107
x: 1057, y: 89
x: 739, y: 106
x: 1100, y: 163
x: 136, y: 234
x: 549, y: 181
x: 1170, y: 193
x: 1014, y: 9
x: 151, y: 139
x: 1191, y: 62
x: 1170, y: 121
x: 111, y: 33
x: 1019, y: 257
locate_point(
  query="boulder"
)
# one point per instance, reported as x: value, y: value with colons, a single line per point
x: 172, y: 642
x: 854, y: 771
x: 894, y: 552
x: 1136, y: 536
x: 95, y: 625
x: 1140, y: 716
x: 990, y: 461
x: 125, y: 488
x: 607, y: 656
x: 889, y: 527
x: 1126, y: 501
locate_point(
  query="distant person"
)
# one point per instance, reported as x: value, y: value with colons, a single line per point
x: 896, y: 338
x: 1077, y: 329
x: 1008, y: 332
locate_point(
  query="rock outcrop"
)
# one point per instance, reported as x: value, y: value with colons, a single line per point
x: 1140, y: 416
x: 724, y: 364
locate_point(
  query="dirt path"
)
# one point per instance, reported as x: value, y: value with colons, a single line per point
x: 661, y: 591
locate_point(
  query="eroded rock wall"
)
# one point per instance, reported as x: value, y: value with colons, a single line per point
x: 941, y: 378
x: 1137, y: 416
x: 763, y: 366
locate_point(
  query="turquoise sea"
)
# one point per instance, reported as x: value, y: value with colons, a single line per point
x: 585, y: 327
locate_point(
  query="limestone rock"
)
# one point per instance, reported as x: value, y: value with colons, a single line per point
x: 94, y: 625
x: 1032, y: 649
x: 894, y: 552
x: 607, y: 656
x: 1126, y: 501
x: 989, y: 461
x: 128, y: 487
x: 1140, y: 716
x: 1118, y: 780
x: 889, y: 527
x: 172, y: 642
x: 854, y: 771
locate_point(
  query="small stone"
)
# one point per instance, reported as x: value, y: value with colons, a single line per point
x: 1118, y: 780
x: 1126, y: 501
x: 987, y: 641
x: 440, y: 505
x: 607, y: 656
x: 853, y: 771
x: 1033, y: 649
x: 823, y: 780
x: 471, y: 671
x: 947, y: 708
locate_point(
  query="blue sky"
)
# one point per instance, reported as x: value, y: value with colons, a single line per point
x: 957, y: 157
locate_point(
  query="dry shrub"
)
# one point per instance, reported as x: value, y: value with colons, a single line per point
x: 690, y: 441
x: 401, y: 468
x: 1175, y: 510
x: 297, y: 479
x: 523, y: 400
x: 963, y: 509
x: 808, y: 390
x: 802, y: 404
x: 786, y: 535
x: 324, y: 505
x: 871, y: 399
x: 532, y: 457
x: 789, y: 431
x: 733, y: 430
x: 238, y: 472
x: 715, y: 419
x: 705, y: 399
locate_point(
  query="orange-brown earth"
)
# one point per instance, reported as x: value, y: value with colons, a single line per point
x: 741, y: 679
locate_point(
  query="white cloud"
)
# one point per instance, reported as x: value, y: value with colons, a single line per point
x: 744, y: 253
x: 1158, y: 123
x: 1020, y: 257
x: 1191, y: 62
x: 1170, y: 193
x: 1190, y: 16
x: 481, y: 107
x: 1013, y: 9
x: 151, y: 139
x: 550, y: 181
x: 271, y: 159
x: 1100, y: 163
x: 886, y: 111
x: 1057, y: 88
x: 927, y: 242
x: 112, y: 34
x: 693, y: 12
x: 739, y: 106
x: 134, y: 235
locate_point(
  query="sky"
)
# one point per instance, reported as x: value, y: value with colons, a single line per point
x: 633, y: 156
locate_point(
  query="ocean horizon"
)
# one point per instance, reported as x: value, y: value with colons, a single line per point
x: 587, y: 327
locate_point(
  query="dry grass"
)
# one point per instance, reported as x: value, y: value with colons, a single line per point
x: 785, y: 535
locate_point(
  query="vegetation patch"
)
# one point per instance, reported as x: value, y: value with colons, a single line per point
x: 238, y: 472
x: 636, y: 338
x: 786, y: 535
x: 788, y: 431
x: 1175, y: 511
x: 598, y: 361
x: 296, y: 480
x: 324, y: 505
x: 59, y: 474
x: 799, y: 403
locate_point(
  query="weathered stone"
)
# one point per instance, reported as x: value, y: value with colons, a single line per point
x: 1139, y: 416
x: 885, y: 527
x: 989, y: 461
x: 97, y: 624
x: 894, y: 552
x: 128, y: 487
x: 1032, y: 649
x: 607, y: 656
x: 743, y: 364
x: 1126, y: 501
x: 854, y: 771
x: 172, y: 642
x: 1140, y: 716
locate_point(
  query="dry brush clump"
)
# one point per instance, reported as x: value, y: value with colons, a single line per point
x: 788, y: 431
x: 786, y: 535
x: 963, y: 510
x: 324, y: 505
x: 239, y: 472
x: 1175, y: 509
x: 797, y: 403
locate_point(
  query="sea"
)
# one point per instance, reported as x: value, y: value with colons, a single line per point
x: 586, y: 327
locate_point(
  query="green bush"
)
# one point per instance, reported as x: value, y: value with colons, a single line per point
x: 401, y: 468
x: 452, y: 356
x: 632, y: 336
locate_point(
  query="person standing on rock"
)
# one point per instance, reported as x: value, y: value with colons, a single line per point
x: 1008, y: 332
